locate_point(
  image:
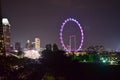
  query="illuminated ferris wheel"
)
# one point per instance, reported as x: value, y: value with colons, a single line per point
x: 81, y: 31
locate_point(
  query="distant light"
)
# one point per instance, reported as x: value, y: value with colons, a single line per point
x: 84, y: 60
x: 28, y: 41
x: 16, y: 51
x: 5, y: 21
x: 112, y: 62
x: 104, y: 61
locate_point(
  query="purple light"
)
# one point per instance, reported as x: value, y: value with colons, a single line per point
x: 61, y: 36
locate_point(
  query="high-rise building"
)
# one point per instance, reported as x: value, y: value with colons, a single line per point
x: 11, y: 47
x: 0, y: 14
x: 28, y: 44
x: 72, y: 42
x: 5, y: 37
x: 6, y: 32
x: 37, y: 43
x: 1, y: 34
x: 18, y: 46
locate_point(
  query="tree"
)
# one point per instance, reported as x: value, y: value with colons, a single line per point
x: 95, y: 49
x: 55, y: 47
x: 48, y: 47
x: 55, y: 61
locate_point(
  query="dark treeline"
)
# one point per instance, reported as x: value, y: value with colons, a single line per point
x: 54, y: 65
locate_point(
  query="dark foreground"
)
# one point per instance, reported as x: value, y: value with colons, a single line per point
x: 81, y: 71
x: 12, y: 68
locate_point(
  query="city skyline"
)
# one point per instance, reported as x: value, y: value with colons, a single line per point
x: 28, y: 19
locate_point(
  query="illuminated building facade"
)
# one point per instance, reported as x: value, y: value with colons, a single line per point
x: 33, y: 45
x: 2, y: 49
x: 37, y: 43
x: 5, y: 37
x: 28, y: 44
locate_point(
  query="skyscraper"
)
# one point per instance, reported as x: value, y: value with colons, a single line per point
x: 37, y: 43
x: 17, y: 46
x: 6, y: 34
x: 28, y: 44
x: 5, y: 37
x: 0, y: 14
x: 72, y: 42
x: 1, y: 34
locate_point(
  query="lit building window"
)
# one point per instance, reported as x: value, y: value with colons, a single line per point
x: 2, y: 36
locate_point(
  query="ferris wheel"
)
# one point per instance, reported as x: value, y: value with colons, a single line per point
x: 61, y: 35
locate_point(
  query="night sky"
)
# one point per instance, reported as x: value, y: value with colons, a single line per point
x: 100, y: 20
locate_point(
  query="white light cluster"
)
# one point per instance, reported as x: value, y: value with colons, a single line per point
x: 5, y: 21
x: 33, y: 54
